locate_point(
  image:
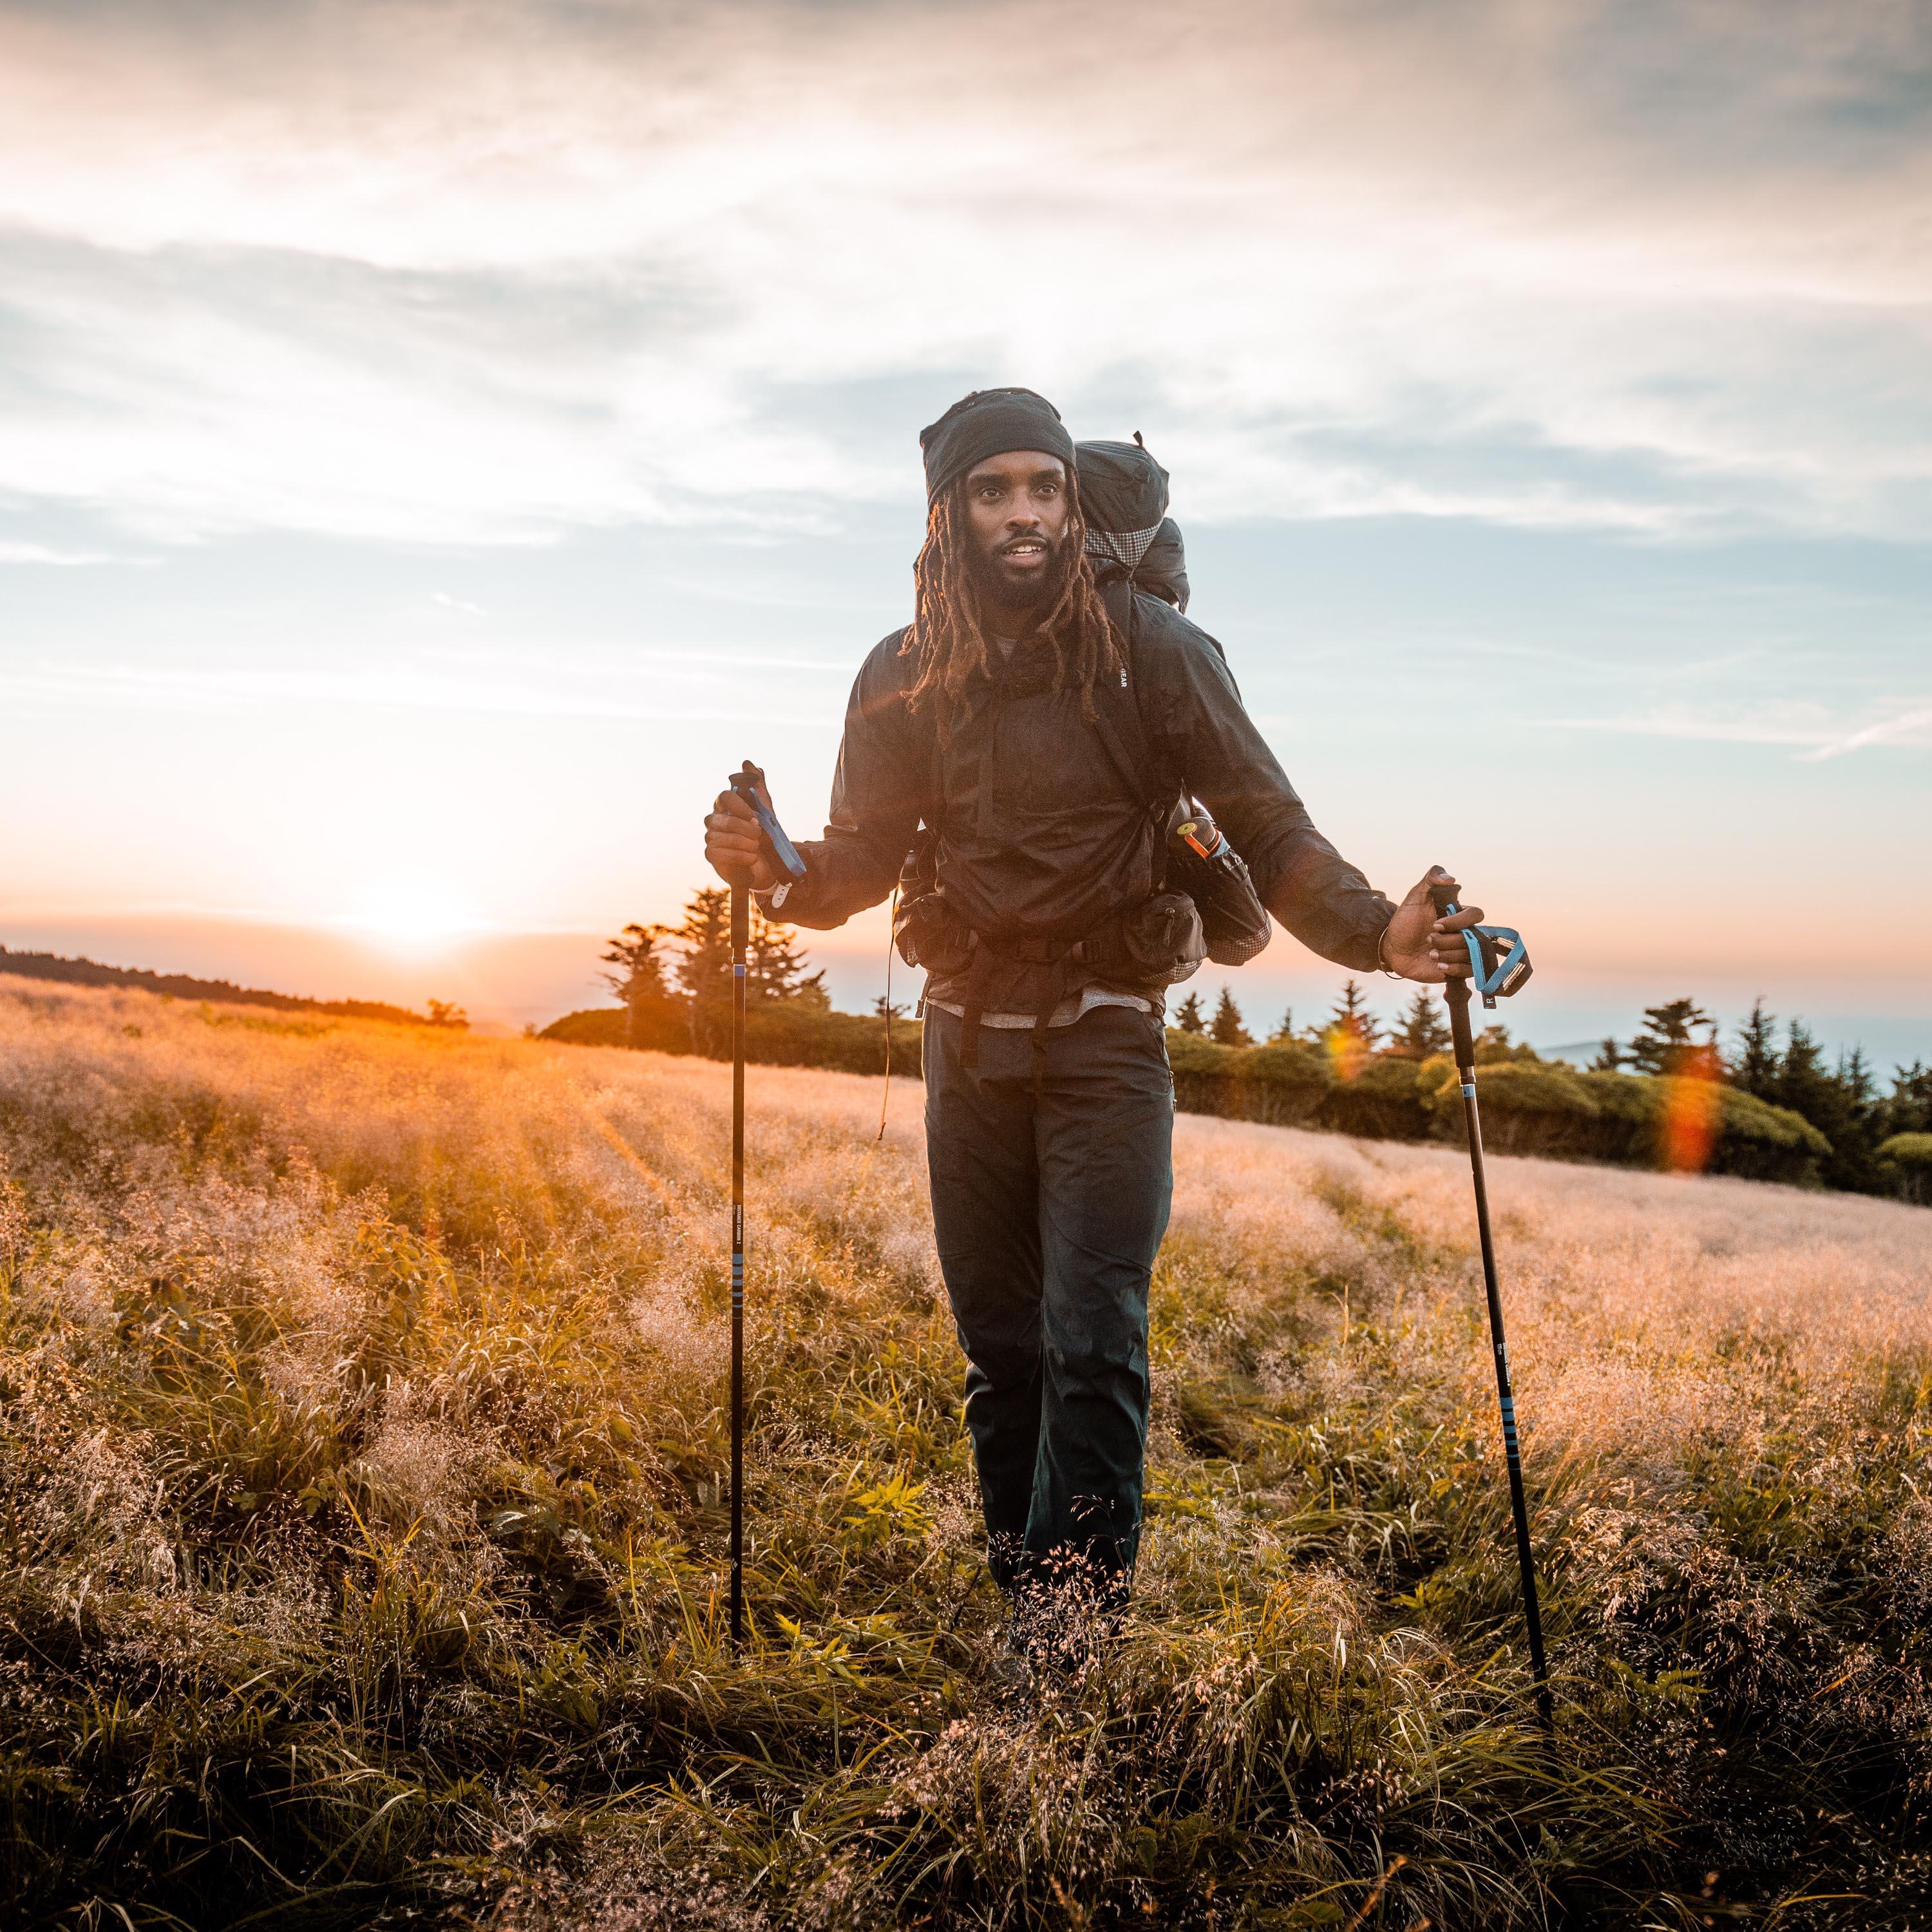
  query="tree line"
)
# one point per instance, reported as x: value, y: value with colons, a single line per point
x: 1347, y: 1069
x: 85, y: 972
x: 1677, y: 1040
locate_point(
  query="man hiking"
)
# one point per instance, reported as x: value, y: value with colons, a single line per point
x: 1017, y: 720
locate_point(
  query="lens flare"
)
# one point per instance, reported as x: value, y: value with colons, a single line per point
x: 1694, y: 1107
x: 1348, y: 1048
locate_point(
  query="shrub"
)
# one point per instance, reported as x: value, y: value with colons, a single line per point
x: 1526, y: 1109
x: 788, y: 1035
x: 1384, y: 1102
x: 1282, y: 1085
x: 594, y: 1026
x: 1622, y: 1117
x: 1905, y: 1164
x: 779, y: 1035
x: 1762, y: 1142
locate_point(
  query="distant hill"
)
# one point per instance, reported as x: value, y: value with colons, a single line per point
x: 184, y: 986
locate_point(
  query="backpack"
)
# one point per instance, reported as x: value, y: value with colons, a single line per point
x: 1136, y: 545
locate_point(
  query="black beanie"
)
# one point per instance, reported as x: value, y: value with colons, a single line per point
x: 988, y: 423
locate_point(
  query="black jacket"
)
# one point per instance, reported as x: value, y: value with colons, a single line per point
x: 1040, y: 835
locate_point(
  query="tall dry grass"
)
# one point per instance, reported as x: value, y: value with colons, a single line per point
x: 363, y: 1498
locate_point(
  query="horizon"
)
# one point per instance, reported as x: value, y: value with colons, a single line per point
x: 439, y: 439
x: 552, y: 973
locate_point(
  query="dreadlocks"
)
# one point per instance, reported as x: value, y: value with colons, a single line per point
x: 948, y: 631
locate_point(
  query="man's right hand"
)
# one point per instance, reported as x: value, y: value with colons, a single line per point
x: 734, y: 845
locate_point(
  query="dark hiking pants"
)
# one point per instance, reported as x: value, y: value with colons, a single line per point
x: 1048, y: 1211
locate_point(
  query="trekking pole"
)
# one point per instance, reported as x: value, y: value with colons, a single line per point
x: 1492, y: 976
x: 741, y: 935
x: 748, y: 785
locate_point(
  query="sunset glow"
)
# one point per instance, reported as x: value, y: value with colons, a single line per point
x: 413, y: 918
x: 520, y: 429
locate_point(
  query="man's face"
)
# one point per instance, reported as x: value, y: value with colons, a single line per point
x: 1016, y: 507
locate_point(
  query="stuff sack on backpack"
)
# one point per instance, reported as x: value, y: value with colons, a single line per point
x: 1163, y: 939
x: 1122, y: 502
x: 1235, y: 923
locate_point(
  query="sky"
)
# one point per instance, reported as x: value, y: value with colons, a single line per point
x: 438, y: 439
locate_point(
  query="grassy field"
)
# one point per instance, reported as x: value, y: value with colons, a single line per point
x: 360, y: 1390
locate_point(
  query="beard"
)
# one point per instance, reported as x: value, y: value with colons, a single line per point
x: 1037, y: 593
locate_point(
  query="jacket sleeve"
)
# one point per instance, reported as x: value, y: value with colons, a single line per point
x: 877, y: 790
x: 1218, y: 754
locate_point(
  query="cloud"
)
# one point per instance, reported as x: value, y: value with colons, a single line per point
x: 1796, y: 722
x: 650, y: 685
x: 45, y: 553
x: 444, y: 272
x: 1912, y: 726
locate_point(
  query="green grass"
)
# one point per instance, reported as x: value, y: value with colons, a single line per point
x: 364, y: 1517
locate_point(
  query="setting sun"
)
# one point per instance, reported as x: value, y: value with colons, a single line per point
x: 412, y: 918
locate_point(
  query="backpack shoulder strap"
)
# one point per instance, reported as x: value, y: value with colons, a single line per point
x: 1137, y: 752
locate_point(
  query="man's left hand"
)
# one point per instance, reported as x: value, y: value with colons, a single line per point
x: 1418, y: 945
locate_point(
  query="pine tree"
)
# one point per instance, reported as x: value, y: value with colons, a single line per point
x: 1492, y: 1048
x: 1351, y: 1014
x: 1284, y: 1035
x: 1853, y: 1162
x: 774, y: 969
x: 1803, y: 1085
x: 1755, y: 1070
x: 704, y: 965
x: 1227, y: 1030
x: 1188, y: 1017
x: 1609, y: 1057
x: 640, y: 972
x: 1909, y: 1109
x: 1422, y: 1030
x: 1665, y: 1044
x: 1840, y: 1102
x: 653, y: 1018
x: 1351, y: 1033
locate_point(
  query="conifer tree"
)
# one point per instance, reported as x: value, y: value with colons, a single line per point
x: 1352, y: 1015
x: 1422, y: 1030
x: 775, y: 968
x: 1188, y: 1017
x: 1909, y: 1109
x: 1492, y: 1048
x: 703, y: 967
x: 1227, y: 1030
x: 1755, y: 1070
x: 652, y: 1018
x: 1284, y: 1035
x: 1351, y: 1032
x: 1609, y: 1057
x: 1803, y: 1085
x: 1859, y: 1127
x: 1667, y: 1043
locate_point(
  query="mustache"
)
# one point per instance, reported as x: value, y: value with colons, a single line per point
x: 1040, y: 537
